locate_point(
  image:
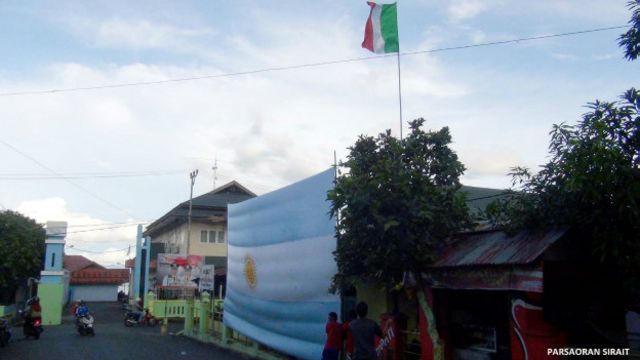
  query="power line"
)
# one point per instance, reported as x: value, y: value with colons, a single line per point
x: 491, y: 196
x: 308, y: 65
x: 67, y: 180
x: 101, y: 229
x: 88, y: 175
x: 107, y: 224
x: 96, y: 252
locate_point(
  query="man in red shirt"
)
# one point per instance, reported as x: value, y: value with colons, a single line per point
x: 334, y: 338
x: 348, y: 337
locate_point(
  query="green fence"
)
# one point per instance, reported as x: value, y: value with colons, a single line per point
x: 203, y: 322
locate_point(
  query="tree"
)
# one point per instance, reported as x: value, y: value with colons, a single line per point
x: 395, y: 205
x: 592, y: 181
x: 630, y: 40
x: 21, y: 247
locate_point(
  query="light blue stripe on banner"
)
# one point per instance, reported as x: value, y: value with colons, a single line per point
x: 296, y: 328
x: 296, y: 212
x: 299, y: 349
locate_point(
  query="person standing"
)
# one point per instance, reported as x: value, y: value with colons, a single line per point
x: 364, y: 332
x: 334, y: 338
x: 348, y: 337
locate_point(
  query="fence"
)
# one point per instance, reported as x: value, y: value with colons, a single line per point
x: 203, y: 321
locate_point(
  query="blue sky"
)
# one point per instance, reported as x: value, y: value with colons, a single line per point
x: 270, y: 129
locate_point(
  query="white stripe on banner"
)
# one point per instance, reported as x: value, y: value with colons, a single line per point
x: 278, y: 273
x: 378, y: 40
x: 280, y: 265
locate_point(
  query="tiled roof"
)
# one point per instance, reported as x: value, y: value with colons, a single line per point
x: 99, y: 276
x: 131, y: 263
x: 85, y: 271
x: 78, y: 262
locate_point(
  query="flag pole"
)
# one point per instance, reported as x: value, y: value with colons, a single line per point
x: 399, y: 92
x: 399, y: 83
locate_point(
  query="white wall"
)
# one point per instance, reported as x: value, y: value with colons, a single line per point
x: 94, y: 292
x: 173, y: 239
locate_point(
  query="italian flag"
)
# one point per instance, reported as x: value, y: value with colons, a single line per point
x: 381, y: 31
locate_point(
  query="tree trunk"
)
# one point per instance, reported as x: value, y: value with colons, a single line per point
x: 438, y: 346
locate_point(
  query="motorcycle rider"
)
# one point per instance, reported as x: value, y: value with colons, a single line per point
x: 81, y: 310
x: 33, y: 309
x: 139, y: 309
x: 32, y: 315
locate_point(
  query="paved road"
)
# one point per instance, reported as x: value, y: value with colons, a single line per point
x: 113, y: 341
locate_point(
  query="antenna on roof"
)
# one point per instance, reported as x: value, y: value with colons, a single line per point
x: 215, y: 171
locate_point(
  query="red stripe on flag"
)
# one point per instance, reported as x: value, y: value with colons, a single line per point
x: 367, y: 43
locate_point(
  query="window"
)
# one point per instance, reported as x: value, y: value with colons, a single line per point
x: 203, y: 236
x: 53, y: 259
x: 212, y: 236
x: 221, y: 237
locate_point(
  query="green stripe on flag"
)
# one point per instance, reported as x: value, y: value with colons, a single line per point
x: 389, y: 27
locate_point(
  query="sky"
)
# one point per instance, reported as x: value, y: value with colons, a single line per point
x: 126, y: 152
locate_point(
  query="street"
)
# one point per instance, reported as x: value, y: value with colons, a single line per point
x: 112, y: 341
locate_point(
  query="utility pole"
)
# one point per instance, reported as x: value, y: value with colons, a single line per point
x: 192, y: 175
x: 215, y: 171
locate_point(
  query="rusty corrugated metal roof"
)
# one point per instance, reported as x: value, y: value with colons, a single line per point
x: 497, y: 248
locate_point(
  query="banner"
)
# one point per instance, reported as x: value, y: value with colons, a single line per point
x: 207, y: 278
x: 281, y: 265
x: 177, y: 270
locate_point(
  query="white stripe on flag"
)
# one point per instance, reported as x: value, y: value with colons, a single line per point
x: 293, y: 271
x: 378, y: 40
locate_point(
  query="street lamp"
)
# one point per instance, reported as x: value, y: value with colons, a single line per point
x: 192, y: 175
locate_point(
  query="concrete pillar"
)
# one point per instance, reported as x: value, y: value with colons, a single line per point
x: 134, y: 291
x: 205, y: 306
x: 188, y: 318
x: 51, y: 286
x: 147, y: 264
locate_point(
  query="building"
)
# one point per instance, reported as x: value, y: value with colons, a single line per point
x: 170, y: 233
x: 90, y: 281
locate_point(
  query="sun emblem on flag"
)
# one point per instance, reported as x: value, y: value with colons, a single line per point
x: 250, y: 271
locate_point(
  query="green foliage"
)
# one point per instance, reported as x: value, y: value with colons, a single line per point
x: 592, y: 182
x: 21, y: 247
x: 630, y: 40
x: 395, y: 204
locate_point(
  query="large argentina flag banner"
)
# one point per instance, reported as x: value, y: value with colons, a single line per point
x: 280, y: 267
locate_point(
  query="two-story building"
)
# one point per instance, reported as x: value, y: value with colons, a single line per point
x: 208, y: 236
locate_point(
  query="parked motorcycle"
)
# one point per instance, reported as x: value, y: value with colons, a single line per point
x: 132, y: 318
x: 32, y: 325
x: 5, y: 332
x: 84, y: 325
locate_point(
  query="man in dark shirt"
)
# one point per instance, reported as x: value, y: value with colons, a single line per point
x: 364, y: 331
x: 334, y: 338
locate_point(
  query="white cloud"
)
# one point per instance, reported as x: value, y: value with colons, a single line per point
x: 460, y: 10
x: 562, y: 56
x: 267, y: 129
x: 143, y: 34
x: 83, y: 230
x: 131, y: 33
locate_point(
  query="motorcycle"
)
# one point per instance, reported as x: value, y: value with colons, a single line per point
x: 84, y: 325
x: 32, y: 325
x: 5, y: 332
x: 132, y: 318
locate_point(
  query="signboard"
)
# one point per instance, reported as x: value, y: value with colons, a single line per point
x: 177, y: 270
x: 207, y: 278
x: 280, y: 267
